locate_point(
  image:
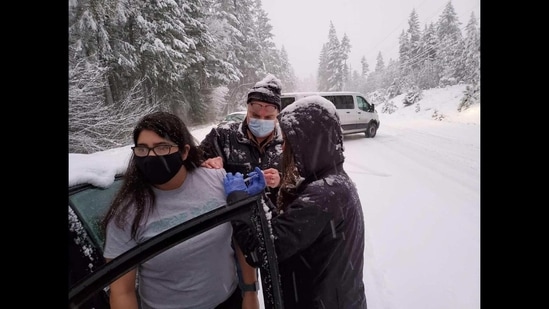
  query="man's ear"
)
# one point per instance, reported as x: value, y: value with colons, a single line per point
x: 185, y: 152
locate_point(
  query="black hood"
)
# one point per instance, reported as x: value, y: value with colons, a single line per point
x: 311, y: 126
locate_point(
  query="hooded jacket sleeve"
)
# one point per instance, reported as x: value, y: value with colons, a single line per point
x: 298, y: 227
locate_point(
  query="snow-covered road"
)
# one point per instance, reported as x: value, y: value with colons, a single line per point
x: 419, y: 183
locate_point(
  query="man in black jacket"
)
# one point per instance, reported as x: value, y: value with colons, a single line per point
x: 242, y: 147
x: 319, y: 226
x: 254, y: 142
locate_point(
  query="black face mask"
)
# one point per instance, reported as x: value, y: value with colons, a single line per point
x: 159, y: 169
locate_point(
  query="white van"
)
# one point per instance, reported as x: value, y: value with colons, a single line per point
x: 355, y: 113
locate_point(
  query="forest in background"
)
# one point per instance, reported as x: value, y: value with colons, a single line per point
x: 198, y: 59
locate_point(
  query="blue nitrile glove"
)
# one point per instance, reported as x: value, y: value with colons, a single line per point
x: 256, y: 184
x: 234, y: 183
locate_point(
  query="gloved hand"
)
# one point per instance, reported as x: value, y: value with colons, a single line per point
x: 256, y: 184
x: 234, y: 183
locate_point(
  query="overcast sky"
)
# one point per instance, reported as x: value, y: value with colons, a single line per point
x: 372, y: 26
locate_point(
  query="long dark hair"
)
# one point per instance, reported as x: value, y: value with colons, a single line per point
x: 136, y: 195
x: 288, y: 183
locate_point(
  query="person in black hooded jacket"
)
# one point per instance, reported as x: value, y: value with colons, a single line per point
x: 318, y: 227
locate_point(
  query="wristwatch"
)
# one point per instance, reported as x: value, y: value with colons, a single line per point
x: 252, y: 287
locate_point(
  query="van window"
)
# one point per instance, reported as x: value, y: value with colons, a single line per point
x: 341, y: 101
x: 286, y: 101
x: 363, y: 104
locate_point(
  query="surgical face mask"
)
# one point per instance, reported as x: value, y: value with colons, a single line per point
x: 159, y: 169
x: 261, y: 127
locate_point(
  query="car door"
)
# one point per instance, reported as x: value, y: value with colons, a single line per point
x: 249, y: 210
x: 364, y: 112
x: 84, y: 258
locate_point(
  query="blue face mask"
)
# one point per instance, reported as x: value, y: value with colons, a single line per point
x: 261, y: 127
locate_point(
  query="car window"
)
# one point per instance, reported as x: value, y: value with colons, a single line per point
x: 91, y: 203
x: 363, y: 104
x: 234, y: 117
x: 84, y: 259
x: 341, y: 101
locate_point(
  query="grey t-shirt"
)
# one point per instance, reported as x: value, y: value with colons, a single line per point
x: 199, y: 273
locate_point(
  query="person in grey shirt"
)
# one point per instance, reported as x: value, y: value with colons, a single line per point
x: 164, y: 186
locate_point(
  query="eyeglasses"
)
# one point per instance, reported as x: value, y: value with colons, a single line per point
x: 256, y: 107
x: 160, y: 150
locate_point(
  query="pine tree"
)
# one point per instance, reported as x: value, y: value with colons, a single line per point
x: 471, y: 56
x: 345, y: 49
x: 451, y: 46
x: 414, y: 35
x: 334, y: 61
x: 365, y: 67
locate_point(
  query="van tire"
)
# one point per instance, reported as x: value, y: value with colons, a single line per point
x: 371, y: 130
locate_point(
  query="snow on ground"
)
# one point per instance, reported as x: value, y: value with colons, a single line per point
x: 419, y: 184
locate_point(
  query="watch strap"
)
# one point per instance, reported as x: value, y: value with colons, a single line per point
x: 252, y: 287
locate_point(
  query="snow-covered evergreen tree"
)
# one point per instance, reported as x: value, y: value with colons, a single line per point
x: 471, y: 55
x: 334, y: 61
x: 345, y: 49
x: 451, y: 46
x: 323, y: 73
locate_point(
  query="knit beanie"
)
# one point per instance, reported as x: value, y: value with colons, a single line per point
x: 266, y: 90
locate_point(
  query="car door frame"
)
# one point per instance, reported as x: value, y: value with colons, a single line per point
x: 247, y: 210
